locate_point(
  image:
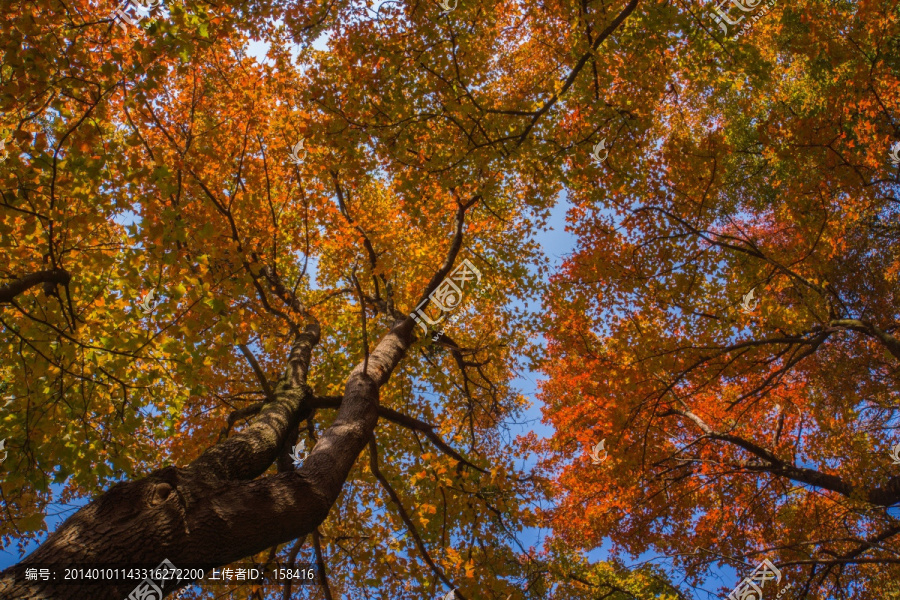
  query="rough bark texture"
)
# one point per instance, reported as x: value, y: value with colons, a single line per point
x: 218, y: 509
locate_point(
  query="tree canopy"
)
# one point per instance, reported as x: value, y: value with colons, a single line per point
x: 216, y: 224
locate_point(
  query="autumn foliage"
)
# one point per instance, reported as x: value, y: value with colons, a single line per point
x: 738, y: 430
x: 181, y: 205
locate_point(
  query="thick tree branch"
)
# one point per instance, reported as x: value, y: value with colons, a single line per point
x: 218, y: 509
x: 881, y: 496
x: 15, y: 287
x: 249, y: 453
x: 195, y: 514
x: 428, y: 430
x: 406, y: 421
x: 870, y: 329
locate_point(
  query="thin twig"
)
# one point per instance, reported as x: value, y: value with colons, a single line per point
x: 320, y: 563
x: 373, y: 464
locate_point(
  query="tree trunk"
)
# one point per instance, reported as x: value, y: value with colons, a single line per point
x: 218, y: 509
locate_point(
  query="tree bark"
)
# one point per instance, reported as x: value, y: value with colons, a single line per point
x: 218, y: 509
x: 17, y: 286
